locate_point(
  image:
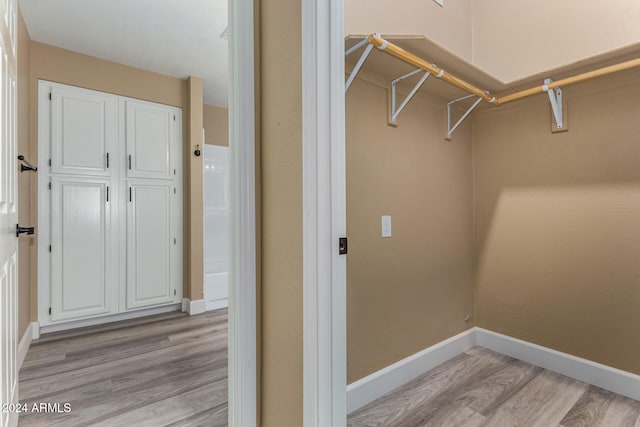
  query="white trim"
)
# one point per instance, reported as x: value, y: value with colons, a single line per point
x: 597, y: 374
x: 379, y: 383
x: 35, y: 330
x: 242, y: 272
x: 55, y: 327
x: 185, y: 305
x: 324, y: 216
x: 24, y: 344
x: 196, y: 307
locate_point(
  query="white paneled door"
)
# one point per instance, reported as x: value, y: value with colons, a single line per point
x: 84, y: 131
x: 81, y: 255
x: 110, y: 204
x: 8, y: 215
x: 151, y: 243
x: 149, y: 129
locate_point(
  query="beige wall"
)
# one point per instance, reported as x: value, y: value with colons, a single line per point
x: 216, y: 125
x: 280, y: 168
x: 25, y: 180
x: 518, y: 38
x: 449, y: 26
x: 63, y: 66
x: 511, y: 39
x: 412, y: 290
x: 196, y: 197
x: 556, y: 220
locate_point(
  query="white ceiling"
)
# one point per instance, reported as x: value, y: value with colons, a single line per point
x: 179, y: 38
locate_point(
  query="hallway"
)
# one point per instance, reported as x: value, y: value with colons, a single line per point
x: 164, y: 370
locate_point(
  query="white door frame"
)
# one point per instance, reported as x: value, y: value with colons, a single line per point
x: 324, y: 213
x: 242, y: 269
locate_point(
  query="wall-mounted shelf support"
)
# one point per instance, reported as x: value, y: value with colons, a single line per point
x: 356, y: 46
x: 553, y: 89
x: 450, y: 128
x: 555, y: 97
x: 396, y: 111
x: 25, y: 165
x: 360, y: 62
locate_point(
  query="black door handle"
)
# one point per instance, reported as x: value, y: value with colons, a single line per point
x: 22, y: 230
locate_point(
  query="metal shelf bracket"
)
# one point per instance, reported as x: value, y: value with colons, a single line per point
x: 450, y: 128
x: 395, y: 111
x: 555, y: 97
x: 360, y: 62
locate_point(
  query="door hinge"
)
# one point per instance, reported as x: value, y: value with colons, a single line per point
x: 174, y: 117
x: 174, y: 190
x: 49, y: 100
x: 174, y: 171
x: 49, y: 248
x: 49, y: 185
x: 49, y: 162
x: 107, y: 193
x: 49, y: 311
x: 174, y: 292
x: 343, y: 246
x: 175, y: 241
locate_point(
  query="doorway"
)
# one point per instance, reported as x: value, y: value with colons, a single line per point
x: 242, y: 342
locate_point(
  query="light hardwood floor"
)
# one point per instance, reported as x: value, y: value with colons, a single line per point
x: 171, y: 370
x: 484, y: 388
x: 165, y: 370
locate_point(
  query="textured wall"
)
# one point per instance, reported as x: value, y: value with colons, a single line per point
x: 196, y: 197
x: 518, y: 38
x: 412, y: 290
x: 556, y: 222
x: 216, y: 125
x: 281, y: 212
x: 450, y: 26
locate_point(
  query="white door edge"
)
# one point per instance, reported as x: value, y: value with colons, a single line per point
x: 324, y: 214
x: 242, y: 271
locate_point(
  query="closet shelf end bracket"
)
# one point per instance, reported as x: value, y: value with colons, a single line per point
x: 451, y: 128
x: 555, y: 98
x: 360, y: 62
x: 395, y: 111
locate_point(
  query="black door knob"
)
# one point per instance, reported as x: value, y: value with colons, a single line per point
x: 23, y: 230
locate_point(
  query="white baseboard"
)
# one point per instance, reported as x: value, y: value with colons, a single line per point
x: 193, y: 307
x: 597, y: 374
x: 35, y: 330
x: 385, y: 380
x: 55, y: 327
x: 393, y: 376
x: 24, y: 344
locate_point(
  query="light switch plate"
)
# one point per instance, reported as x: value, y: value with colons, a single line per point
x: 386, y: 225
x: 440, y: 2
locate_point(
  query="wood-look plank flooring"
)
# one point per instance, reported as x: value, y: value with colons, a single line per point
x: 164, y: 370
x: 484, y: 388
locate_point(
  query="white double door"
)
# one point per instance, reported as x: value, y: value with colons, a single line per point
x: 110, y: 176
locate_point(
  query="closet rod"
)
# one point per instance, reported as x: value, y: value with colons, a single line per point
x: 570, y: 80
x: 436, y: 71
x: 416, y: 61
